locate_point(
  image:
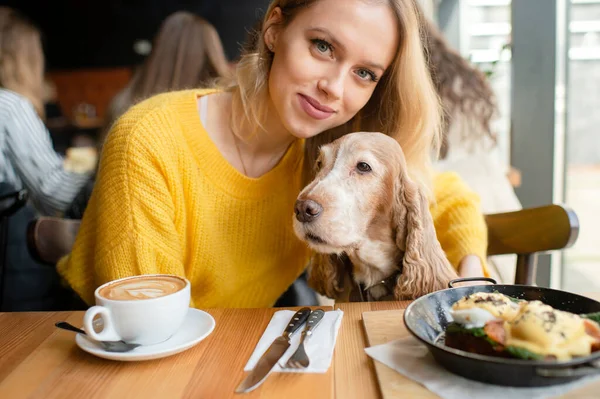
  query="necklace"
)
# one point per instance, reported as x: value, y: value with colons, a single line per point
x: 239, y: 152
x: 237, y: 147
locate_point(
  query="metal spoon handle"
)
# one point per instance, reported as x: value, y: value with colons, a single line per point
x: 66, y: 326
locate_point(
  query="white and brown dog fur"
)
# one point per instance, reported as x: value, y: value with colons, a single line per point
x: 367, y: 221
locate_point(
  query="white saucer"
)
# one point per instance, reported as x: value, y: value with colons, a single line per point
x: 196, y: 326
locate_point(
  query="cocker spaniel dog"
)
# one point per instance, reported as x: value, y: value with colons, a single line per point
x: 369, y: 224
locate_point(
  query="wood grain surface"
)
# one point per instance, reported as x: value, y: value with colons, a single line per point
x: 39, y: 361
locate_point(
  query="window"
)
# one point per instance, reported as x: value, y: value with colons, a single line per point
x: 581, y: 263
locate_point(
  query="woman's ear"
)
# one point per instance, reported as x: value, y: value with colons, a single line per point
x: 272, y: 27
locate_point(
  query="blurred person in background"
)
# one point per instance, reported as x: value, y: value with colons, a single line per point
x: 468, y: 100
x: 469, y: 142
x: 27, y: 157
x: 187, y: 53
x: 28, y: 161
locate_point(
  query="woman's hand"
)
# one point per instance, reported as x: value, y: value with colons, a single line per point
x: 470, y: 266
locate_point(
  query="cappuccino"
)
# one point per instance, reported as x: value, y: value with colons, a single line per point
x: 142, y: 287
x: 145, y: 309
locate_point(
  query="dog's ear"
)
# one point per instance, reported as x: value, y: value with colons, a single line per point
x: 425, y: 266
x: 326, y: 274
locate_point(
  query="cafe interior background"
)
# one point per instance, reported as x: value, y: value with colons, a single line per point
x: 547, y: 138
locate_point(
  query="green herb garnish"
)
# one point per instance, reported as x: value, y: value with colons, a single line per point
x: 592, y: 316
x: 522, y: 353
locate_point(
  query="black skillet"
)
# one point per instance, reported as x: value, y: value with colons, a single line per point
x: 427, y: 317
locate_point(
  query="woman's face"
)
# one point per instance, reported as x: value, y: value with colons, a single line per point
x: 328, y: 61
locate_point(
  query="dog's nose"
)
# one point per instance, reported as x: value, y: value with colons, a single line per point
x: 307, y: 210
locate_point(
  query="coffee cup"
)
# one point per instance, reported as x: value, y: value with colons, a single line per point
x: 145, y: 309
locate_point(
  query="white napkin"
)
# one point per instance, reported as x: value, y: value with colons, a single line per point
x: 319, y: 347
x: 411, y: 358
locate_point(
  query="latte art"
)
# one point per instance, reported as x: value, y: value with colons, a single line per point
x: 142, y: 288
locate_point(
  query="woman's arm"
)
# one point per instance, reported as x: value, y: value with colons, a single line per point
x: 129, y: 224
x: 460, y: 225
x: 31, y: 154
x: 470, y: 266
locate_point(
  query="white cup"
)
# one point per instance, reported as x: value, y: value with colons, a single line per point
x: 144, y: 321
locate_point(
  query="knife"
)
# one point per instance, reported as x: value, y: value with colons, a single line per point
x: 270, y: 358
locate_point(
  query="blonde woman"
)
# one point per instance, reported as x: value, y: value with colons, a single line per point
x: 202, y: 183
x: 27, y: 158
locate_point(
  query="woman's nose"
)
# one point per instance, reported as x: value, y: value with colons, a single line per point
x: 307, y: 210
x: 332, y: 86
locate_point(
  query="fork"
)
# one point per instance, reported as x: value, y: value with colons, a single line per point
x: 299, y: 359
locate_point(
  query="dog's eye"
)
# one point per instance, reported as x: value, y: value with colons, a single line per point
x: 363, y: 167
x: 318, y: 165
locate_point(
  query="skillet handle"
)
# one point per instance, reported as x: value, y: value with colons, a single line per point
x: 465, y: 279
x: 586, y: 369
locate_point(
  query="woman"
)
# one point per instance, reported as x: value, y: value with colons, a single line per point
x: 202, y: 183
x: 27, y: 158
x: 187, y: 53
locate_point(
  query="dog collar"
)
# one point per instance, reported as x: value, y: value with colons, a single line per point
x: 380, y: 291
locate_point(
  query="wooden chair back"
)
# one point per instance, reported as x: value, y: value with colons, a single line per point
x: 529, y: 232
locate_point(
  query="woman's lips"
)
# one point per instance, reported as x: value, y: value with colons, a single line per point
x: 314, y: 108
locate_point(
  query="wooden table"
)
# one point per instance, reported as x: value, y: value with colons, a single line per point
x: 354, y: 370
x: 39, y: 361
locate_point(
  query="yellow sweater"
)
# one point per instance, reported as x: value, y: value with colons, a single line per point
x: 166, y: 201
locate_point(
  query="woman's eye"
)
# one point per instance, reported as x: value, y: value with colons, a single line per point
x: 366, y: 74
x: 363, y: 167
x: 322, y: 46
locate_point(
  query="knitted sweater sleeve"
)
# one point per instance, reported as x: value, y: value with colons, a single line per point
x: 129, y: 225
x: 459, y: 223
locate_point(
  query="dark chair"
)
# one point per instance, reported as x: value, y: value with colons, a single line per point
x: 48, y: 240
x: 298, y: 294
x: 9, y: 204
x: 529, y: 232
x: 25, y: 284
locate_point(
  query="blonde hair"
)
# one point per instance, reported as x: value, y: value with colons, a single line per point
x: 404, y: 104
x: 21, y: 58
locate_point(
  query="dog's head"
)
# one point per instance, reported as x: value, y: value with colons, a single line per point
x: 352, y: 191
x: 362, y: 192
